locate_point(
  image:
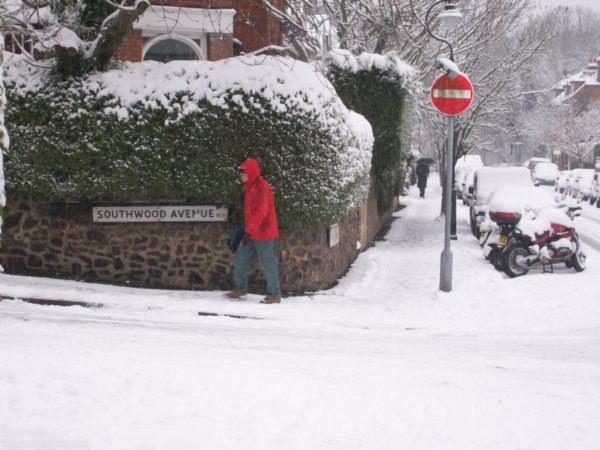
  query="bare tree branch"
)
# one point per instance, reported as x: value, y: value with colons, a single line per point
x: 115, y: 28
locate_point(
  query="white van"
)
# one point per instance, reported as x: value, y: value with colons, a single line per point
x: 485, y: 182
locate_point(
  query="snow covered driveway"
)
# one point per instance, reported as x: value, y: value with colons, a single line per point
x: 382, y: 361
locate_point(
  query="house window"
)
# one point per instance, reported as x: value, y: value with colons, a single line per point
x: 172, y: 48
x: 184, y: 31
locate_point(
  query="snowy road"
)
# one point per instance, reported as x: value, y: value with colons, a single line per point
x: 589, y: 224
x: 382, y: 361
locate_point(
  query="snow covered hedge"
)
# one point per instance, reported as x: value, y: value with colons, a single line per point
x: 379, y: 87
x: 3, y: 136
x: 178, y: 130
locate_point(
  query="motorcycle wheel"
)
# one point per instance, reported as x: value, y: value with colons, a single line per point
x: 495, y: 257
x: 578, y: 259
x: 512, y: 252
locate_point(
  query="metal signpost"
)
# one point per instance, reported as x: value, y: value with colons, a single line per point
x: 451, y: 94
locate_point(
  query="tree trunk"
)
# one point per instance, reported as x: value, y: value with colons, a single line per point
x: 114, y: 31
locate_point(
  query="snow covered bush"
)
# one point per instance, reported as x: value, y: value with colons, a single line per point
x: 380, y: 88
x: 179, y: 130
x: 3, y: 137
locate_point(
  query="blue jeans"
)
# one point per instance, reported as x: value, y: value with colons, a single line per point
x: 246, y: 254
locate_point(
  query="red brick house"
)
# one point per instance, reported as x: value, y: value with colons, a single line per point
x: 201, y: 30
x: 580, y: 89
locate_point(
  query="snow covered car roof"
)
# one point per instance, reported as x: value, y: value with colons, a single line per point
x: 546, y: 168
x: 469, y: 161
x: 519, y: 198
x: 487, y: 179
x: 545, y: 171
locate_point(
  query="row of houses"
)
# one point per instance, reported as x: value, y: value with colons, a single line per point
x: 581, y: 88
x: 579, y: 91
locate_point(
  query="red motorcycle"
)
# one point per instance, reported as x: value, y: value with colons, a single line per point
x: 548, y: 238
x: 498, y: 239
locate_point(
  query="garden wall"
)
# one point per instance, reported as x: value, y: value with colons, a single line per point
x: 60, y: 240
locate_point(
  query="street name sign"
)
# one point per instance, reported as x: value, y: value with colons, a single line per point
x: 160, y: 213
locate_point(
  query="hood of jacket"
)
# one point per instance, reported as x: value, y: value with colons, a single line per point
x: 252, y: 169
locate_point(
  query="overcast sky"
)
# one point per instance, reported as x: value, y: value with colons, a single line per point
x: 594, y: 4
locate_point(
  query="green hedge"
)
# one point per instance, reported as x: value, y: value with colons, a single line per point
x: 70, y: 145
x: 380, y: 88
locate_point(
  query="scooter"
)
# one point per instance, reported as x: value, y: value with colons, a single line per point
x: 498, y: 238
x: 547, y: 239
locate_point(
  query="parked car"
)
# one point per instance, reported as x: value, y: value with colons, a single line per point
x: 469, y: 161
x: 569, y: 187
x: 465, y: 165
x: 544, y: 173
x: 518, y: 199
x: 562, y: 181
x: 531, y: 163
x: 581, y: 184
x: 463, y: 181
x: 595, y: 189
x: 485, y: 181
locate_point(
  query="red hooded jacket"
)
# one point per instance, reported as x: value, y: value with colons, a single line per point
x: 259, y: 206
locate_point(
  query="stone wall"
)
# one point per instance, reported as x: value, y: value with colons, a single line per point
x: 371, y: 222
x: 61, y: 240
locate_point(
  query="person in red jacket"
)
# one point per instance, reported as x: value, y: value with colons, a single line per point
x: 261, y: 235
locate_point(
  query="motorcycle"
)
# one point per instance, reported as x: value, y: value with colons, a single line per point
x: 546, y: 239
x: 497, y: 238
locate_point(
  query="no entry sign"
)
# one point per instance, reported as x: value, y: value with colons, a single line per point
x: 451, y: 96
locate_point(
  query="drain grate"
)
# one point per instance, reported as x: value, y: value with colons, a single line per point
x: 233, y: 316
x: 47, y: 302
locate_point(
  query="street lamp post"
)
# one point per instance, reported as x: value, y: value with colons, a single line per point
x: 449, y: 17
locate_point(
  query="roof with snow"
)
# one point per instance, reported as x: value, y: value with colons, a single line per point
x: 579, y: 82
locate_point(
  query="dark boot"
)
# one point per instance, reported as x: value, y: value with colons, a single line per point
x: 269, y: 299
x: 236, y: 294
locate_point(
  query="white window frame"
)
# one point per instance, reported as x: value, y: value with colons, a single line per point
x: 188, y: 25
x: 187, y: 41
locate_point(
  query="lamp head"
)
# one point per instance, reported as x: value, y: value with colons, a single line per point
x: 447, y: 66
x: 450, y: 16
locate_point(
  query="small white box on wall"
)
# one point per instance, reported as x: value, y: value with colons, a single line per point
x: 333, y: 235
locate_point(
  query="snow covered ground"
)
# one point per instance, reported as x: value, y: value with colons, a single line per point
x: 382, y: 361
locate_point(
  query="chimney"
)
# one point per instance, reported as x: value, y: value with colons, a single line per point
x: 592, y: 65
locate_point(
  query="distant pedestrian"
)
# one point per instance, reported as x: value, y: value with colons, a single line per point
x: 261, y: 235
x: 422, y: 175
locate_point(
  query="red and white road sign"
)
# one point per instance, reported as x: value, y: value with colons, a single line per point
x: 451, y: 96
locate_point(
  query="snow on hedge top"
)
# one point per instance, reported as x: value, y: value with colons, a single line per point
x: 366, y: 61
x: 286, y: 83
x: 3, y: 136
